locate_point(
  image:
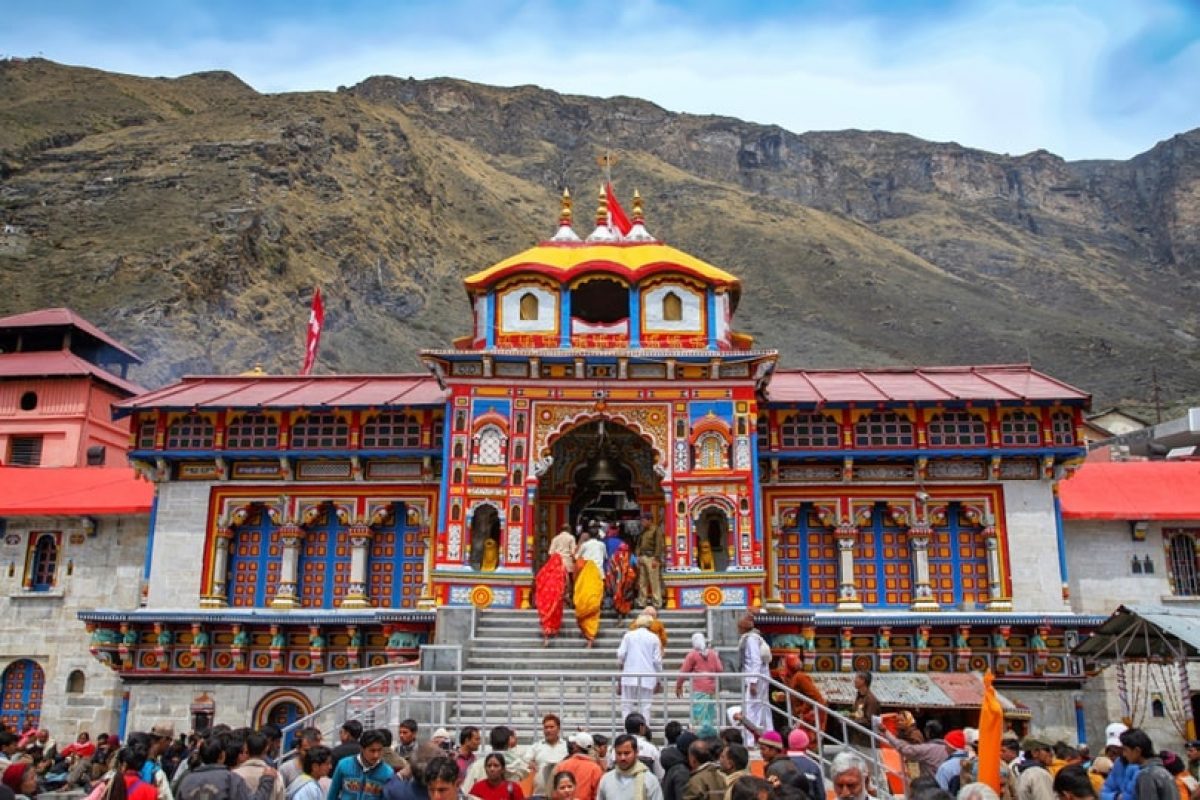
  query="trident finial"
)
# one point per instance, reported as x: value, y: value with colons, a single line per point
x: 564, y: 216
x: 638, y: 216
x: 602, y: 208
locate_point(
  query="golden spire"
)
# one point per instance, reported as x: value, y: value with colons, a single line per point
x: 638, y: 216
x: 564, y: 216
x: 602, y: 208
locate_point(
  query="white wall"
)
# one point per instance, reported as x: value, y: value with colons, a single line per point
x: 1032, y: 546
x: 179, y: 537
x: 1099, y: 556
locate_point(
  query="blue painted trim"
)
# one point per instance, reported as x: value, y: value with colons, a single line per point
x: 1061, y: 539
x: 489, y: 320
x: 444, y: 483
x: 264, y: 616
x: 936, y: 618
x: 839, y: 454
x: 755, y: 483
x: 261, y: 562
x: 710, y: 302
x: 234, y: 455
x: 564, y: 317
x: 123, y: 723
x: 1080, y: 722
x: 150, y: 536
x: 635, y: 316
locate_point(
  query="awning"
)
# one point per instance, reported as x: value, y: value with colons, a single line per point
x: 916, y: 690
x: 1154, y: 633
x: 71, y: 491
x: 1133, y: 490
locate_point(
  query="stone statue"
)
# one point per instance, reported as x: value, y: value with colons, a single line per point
x: 491, y: 555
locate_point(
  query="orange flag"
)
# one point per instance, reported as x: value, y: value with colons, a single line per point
x: 991, y: 730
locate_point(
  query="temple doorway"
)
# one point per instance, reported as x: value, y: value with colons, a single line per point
x: 711, y: 533
x: 485, y: 538
x: 601, y: 476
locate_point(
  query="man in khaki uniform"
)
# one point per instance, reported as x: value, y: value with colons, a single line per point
x: 650, y: 549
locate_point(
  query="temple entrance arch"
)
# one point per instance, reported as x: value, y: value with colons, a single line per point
x: 485, y: 537
x: 711, y: 524
x: 602, y: 472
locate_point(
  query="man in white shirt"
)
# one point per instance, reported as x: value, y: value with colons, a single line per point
x: 545, y: 755
x: 640, y: 652
x: 755, y: 708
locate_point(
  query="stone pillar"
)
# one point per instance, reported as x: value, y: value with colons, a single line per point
x: 291, y: 536
x: 360, y: 542
x: 846, y: 535
x: 996, y: 599
x: 919, y: 535
x: 218, y: 596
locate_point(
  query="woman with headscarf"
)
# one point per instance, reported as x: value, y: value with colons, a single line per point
x: 620, y: 581
x: 701, y: 659
x: 589, y: 586
x: 549, y: 587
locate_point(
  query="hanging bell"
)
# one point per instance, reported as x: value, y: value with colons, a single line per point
x: 602, y: 472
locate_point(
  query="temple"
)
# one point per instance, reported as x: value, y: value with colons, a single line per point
x: 899, y: 520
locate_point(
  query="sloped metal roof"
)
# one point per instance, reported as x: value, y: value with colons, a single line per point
x: 56, y: 317
x: 913, y: 689
x: 1149, y: 632
x: 1012, y: 382
x: 59, y: 364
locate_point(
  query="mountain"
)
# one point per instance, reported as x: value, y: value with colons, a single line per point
x: 192, y: 217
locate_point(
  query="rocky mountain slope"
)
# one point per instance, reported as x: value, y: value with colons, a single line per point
x: 193, y: 216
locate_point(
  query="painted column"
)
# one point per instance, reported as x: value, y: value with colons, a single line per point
x: 710, y: 304
x: 846, y: 535
x: 427, y: 601
x: 996, y: 599
x: 219, y: 596
x: 360, y: 541
x: 635, y: 316
x: 489, y: 316
x: 919, y: 535
x: 564, y: 317
x: 291, y: 536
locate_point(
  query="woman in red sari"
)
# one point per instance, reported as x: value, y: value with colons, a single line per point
x: 620, y: 581
x: 549, y: 588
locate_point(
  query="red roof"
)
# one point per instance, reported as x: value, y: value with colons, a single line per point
x: 59, y: 363
x: 291, y: 391
x: 54, y: 317
x: 928, y: 384
x: 1133, y: 490
x: 49, y: 491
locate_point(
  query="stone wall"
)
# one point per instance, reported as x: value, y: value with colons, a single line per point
x: 100, y: 569
x: 179, y: 536
x: 1032, y: 546
x: 1102, y: 704
x: 1100, y: 555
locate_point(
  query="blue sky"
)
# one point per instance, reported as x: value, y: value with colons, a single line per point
x: 1087, y: 79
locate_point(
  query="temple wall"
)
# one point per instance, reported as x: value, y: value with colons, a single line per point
x: 179, y: 537
x: 1100, y: 555
x: 105, y: 572
x: 1032, y: 546
x: 1102, y: 704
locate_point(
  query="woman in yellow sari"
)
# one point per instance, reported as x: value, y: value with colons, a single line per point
x: 589, y: 587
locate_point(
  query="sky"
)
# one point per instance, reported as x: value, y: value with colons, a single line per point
x: 1082, y: 79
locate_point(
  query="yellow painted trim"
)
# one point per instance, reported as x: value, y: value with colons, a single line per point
x: 635, y: 258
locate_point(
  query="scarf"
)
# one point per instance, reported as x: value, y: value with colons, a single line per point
x: 638, y: 773
x: 700, y: 644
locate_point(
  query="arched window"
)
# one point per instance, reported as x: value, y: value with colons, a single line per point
x: 392, y: 429
x: 320, y: 430
x: 491, y: 447
x: 1184, y: 572
x: 190, y: 432
x: 672, y: 307
x: 883, y: 429
x: 44, y: 564
x: 529, y: 306
x: 808, y: 430
x: 712, y: 452
x: 76, y: 682
x: 957, y: 429
x: 1063, y: 426
x: 21, y: 696
x: 1020, y: 429
x: 253, y: 431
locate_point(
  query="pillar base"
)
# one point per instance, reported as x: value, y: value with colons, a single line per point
x: 925, y: 605
x: 284, y: 603
x: 427, y: 604
x: 774, y: 605
x: 848, y: 605
x: 999, y: 605
x: 213, y: 601
x: 355, y: 601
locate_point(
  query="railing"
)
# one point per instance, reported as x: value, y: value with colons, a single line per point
x: 584, y: 700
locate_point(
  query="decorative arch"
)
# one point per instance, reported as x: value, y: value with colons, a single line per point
x: 711, y: 452
x: 570, y: 424
x: 490, y: 446
x: 282, y: 706
x: 479, y: 513
x: 76, y: 682
x: 318, y: 430
x: 253, y: 430
x: 21, y: 687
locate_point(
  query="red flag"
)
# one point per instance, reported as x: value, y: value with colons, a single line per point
x: 316, y: 321
x: 616, y: 214
x: 991, y: 730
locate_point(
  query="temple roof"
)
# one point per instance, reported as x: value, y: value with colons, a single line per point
x: 59, y: 364
x: 70, y: 491
x: 65, y: 317
x: 564, y: 261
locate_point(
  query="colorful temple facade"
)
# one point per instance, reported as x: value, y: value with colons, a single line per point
x: 901, y: 520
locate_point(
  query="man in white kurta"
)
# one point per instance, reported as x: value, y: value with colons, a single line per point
x: 640, y: 651
x: 755, y: 708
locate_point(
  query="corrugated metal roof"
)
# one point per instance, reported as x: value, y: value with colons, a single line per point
x: 59, y: 363
x: 51, y: 317
x: 290, y: 391
x: 1133, y: 490
x: 1018, y: 382
x: 1142, y: 632
x: 69, y: 491
x: 912, y: 689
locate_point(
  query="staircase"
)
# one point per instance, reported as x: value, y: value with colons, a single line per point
x: 583, y: 688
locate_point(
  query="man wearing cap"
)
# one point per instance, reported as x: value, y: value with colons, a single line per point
x: 811, y: 780
x: 1121, y: 783
x: 777, y: 767
x: 947, y: 774
x: 161, y: 736
x: 544, y: 754
x: 581, y: 762
x: 1036, y: 782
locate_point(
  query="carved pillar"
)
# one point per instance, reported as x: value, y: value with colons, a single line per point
x: 773, y: 601
x: 919, y: 535
x: 291, y: 536
x: 996, y: 599
x: 1001, y: 652
x: 218, y: 597
x: 427, y: 601
x: 884, y: 645
x: 923, y: 650
x: 360, y: 542
x: 962, y: 648
x: 846, y: 535
x: 846, y: 650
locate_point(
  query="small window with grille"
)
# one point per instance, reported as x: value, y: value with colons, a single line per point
x: 320, y: 430
x: 1020, y: 429
x: 1185, y: 572
x: 145, y: 436
x: 254, y: 431
x: 883, y: 429
x: 43, y: 562
x: 807, y: 431
x: 491, y: 447
x: 957, y: 429
x: 1063, y: 425
x: 190, y: 432
x: 25, y: 451
x: 392, y: 429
